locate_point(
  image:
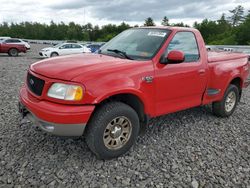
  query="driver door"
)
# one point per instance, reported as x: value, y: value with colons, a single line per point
x: 77, y: 49
x: 180, y: 86
x: 65, y: 49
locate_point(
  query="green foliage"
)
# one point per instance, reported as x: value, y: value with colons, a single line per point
x: 165, y: 21
x: 149, y: 22
x: 243, y: 32
x: 235, y: 31
x: 237, y: 16
x: 61, y: 31
x: 181, y: 24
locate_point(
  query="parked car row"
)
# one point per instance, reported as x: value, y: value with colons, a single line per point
x: 64, y: 49
x: 14, y: 46
x: 69, y: 48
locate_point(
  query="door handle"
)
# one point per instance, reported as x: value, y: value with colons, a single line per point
x: 202, y: 71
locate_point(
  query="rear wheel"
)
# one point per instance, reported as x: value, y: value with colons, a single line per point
x: 13, y: 52
x: 54, y: 54
x: 112, y: 130
x: 227, y: 105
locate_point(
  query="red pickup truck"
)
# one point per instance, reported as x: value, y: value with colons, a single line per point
x: 12, y: 49
x: 142, y: 73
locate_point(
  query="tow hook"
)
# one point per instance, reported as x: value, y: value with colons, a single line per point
x: 22, y: 110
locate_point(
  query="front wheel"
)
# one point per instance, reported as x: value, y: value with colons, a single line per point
x: 54, y: 54
x: 13, y: 52
x: 227, y: 105
x: 112, y: 130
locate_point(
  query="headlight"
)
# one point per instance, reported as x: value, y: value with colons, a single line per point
x: 66, y: 92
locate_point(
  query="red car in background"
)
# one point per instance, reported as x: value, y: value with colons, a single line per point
x: 12, y: 49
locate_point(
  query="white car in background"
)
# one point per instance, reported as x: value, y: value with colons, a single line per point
x: 16, y: 41
x: 64, y: 49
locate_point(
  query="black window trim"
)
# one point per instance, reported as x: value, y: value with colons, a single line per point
x: 198, y: 60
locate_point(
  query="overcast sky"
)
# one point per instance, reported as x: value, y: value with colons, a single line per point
x: 115, y: 11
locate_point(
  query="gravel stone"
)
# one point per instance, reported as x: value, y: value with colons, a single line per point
x: 191, y: 148
x: 195, y: 183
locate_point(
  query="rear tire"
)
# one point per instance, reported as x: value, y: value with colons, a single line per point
x: 112, y: 130
x: 54, y: 54
x: 13, y: 52
x: 227, y: 105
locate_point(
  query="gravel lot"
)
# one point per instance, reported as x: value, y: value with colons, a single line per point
x: 191, y: 148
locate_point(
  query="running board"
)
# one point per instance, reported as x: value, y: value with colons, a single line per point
x: 212, y: 92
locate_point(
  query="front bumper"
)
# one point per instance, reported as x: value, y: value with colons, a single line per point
x: 44, y: 54
x: 57, y: 119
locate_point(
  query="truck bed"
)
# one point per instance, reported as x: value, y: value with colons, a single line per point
x: 216, y: 56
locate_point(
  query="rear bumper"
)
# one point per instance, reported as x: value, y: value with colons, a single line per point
x: 57, y: 119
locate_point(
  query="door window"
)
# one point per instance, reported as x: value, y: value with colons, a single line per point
x: 185, y: 42
x: 76, y: 46
x: 66, y: 46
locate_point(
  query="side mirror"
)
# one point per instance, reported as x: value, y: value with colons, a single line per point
x: 174, y: 57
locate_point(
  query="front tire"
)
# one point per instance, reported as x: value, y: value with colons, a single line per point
x: 112, y: 130
x: 54, y: 54
x: 13, y: 52
x: 227, y: 105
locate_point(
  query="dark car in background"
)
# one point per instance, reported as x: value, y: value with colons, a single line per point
x: 94, y: 47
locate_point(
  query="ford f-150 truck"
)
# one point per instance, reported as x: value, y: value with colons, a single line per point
x: 142, y: 73
x: 12, y: 49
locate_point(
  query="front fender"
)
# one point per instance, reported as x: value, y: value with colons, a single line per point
x: 96, y: 92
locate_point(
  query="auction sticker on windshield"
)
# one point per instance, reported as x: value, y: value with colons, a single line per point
x: 157, y: 34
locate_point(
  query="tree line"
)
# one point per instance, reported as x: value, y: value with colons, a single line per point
x: 61, y: 31
x: 232, y: 29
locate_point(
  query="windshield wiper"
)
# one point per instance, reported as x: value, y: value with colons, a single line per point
x: 124, y: 54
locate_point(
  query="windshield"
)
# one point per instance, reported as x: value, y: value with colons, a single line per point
x: 137, y: 43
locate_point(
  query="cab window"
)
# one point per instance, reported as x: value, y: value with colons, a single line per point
x: 185, y: 42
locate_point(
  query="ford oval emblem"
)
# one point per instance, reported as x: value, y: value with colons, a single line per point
x: 32, y: 82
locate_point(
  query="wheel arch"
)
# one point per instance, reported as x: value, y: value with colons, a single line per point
x: 54, y: 52
x: 14, y: 49
x: 238, y: 82
x: 131, y: 99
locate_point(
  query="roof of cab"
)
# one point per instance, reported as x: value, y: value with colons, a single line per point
x: 170, y: 28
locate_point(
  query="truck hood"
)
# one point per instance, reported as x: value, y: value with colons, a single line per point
x: 69, y: 67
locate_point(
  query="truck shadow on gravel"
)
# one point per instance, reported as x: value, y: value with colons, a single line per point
x: 34, y: 139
